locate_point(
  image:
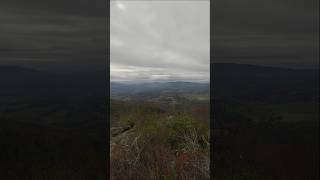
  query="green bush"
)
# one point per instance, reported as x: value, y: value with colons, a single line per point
x: 184, y: 131
x: 127, y: 121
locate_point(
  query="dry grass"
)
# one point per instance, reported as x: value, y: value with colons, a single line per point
x: 148, y: 153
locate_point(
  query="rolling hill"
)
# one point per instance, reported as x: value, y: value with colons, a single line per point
x: 264, y: 84
x: 20, y: 81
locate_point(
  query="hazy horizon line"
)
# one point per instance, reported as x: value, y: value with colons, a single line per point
x: 76, y: 69
x: 157, y: 81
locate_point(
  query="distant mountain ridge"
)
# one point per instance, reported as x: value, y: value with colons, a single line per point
x: 230, y: 81
x: 264, y: 83
x: 157, y: 88
x: 20, y: 81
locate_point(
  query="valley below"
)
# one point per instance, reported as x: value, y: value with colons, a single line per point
x: 160, y: 130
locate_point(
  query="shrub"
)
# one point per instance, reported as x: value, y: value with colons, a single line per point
x: 186, y: 133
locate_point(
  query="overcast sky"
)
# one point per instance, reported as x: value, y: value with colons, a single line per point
x: 266, y: 32
x: 159, y: 40
x: 164, y: 40
x: 66, y: 35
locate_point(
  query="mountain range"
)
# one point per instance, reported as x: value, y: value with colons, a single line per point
x: 264, y: 84
x: 229, y: 81
x: 20, y: 81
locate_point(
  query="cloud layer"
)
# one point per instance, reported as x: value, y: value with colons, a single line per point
x: 266, y: 32
x: 159, y: 41
x: 62, y: 33
x: 164, y: 39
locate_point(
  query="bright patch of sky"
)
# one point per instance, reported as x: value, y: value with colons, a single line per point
x: 159, y: 41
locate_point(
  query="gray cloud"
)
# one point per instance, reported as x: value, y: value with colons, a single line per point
x: 160, y: 41
x: 59, y: 33
x: 267, y: 32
